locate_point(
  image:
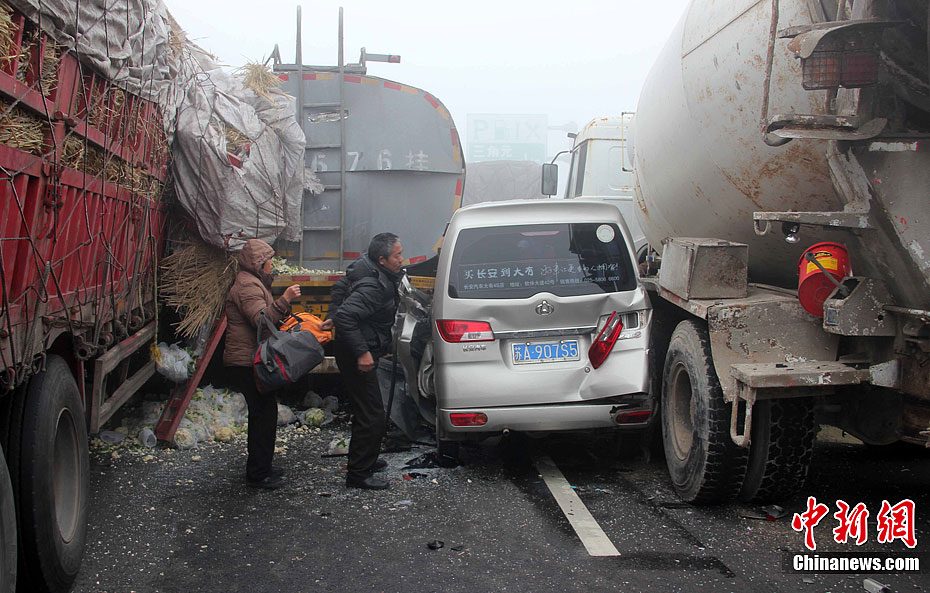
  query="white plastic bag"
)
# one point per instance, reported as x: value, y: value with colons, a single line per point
x: 175, y: 362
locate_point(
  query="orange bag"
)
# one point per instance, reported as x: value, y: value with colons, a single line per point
x: 307, y: 322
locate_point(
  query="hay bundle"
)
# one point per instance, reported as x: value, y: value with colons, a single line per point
x: 175, y: 43
x: 259, y: 78
x: 47, y: 64
x: 72, y: 154
x: 116, y: 171
x: 235, y: 139
x: 141, y: 183
x: 196, y: 280
x: 96, y: 111
x: 7, y: 35
x: 154, y: 133
x: 50, y: 61
x: 21, y: 130
x: 30, y: 44
x: 83, y: 157
x: 135, y: 125
x: 91, y: 160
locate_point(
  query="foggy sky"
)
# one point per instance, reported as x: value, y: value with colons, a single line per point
x: 572, y: 61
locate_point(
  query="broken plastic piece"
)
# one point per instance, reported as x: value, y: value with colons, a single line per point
x: 147, y: 438
x: 430, y: 460
x: 338, y: 446
x: 111, y: 437
x: 873, y: 586
x: 773, y: 512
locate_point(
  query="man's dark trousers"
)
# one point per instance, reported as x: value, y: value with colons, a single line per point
x: 368, y: 423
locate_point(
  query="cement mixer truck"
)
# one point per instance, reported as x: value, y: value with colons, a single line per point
x: 781, y: 151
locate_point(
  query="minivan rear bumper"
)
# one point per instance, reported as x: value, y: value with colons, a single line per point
x: 541, y: 418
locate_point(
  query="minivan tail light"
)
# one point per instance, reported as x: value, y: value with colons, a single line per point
x: 637, y: 417
x: 468, y: 419
x: 604, y: 343
x: 455, y: 331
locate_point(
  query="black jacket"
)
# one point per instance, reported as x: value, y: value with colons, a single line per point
x: 366, y: 313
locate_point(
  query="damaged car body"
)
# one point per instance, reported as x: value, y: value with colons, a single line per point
x: 538, y: 323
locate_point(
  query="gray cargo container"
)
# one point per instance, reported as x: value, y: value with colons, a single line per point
x: 388, y: 155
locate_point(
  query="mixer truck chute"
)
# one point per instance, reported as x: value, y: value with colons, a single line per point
x: 764, y: 129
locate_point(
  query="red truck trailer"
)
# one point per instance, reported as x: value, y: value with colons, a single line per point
x: 83, y: 164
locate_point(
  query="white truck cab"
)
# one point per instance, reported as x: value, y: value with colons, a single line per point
x: 601, y: 168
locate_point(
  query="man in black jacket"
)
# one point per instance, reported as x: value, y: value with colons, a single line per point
x: 363, y: 321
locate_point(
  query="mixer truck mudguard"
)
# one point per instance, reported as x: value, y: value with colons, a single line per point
x: 795, y: 272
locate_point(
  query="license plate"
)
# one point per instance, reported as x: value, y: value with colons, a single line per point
x: 538, y: 352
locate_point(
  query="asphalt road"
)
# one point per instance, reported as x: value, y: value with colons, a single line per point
x: 181, y: 521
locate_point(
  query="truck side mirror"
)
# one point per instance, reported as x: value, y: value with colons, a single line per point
x: 550, y: 179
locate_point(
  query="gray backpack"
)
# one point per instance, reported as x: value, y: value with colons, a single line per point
x: 284, y: 357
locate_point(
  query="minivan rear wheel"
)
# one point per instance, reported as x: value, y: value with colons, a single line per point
x: 704, y: 464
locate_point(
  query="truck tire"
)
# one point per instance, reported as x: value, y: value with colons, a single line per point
x: 705, y: 466
x: 7, y: 531
x: 50, y: 479
x: 782, y: 444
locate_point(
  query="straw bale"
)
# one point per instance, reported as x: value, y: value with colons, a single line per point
x: 259, y: 78
x: 196, y: 280
x: 175, y: 44
x: 235, y: 139
x: 21, y: 130
x: 96, y: 112
x: 49, y: 77
x: 91, y: 160
x: 7, y: 35
x: 30, y: 44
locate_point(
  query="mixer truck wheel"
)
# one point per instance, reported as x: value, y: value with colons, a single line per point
x: 705, y: 466
x: 783, y: 432
x: 51, y: 480
x: 7, y: 531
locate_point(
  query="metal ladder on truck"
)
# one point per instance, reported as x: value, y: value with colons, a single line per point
x: 326, y: 145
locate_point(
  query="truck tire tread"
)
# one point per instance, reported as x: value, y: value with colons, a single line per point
x: 48, y: 561
x: 781, y: 449
x: 8, y: 533
x: 713, y: 469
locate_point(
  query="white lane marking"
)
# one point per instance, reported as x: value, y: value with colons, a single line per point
x: 589, y: 532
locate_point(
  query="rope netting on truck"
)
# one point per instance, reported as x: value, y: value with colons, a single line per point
x: 104, y: 109
x: 83, y: 165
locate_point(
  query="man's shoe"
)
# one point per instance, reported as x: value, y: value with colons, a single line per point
x: 369, y: 483
x: 277, y: 472
x: 380, y: 465
x: 269, y: 482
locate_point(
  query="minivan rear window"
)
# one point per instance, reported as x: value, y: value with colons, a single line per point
x: 513, y: 262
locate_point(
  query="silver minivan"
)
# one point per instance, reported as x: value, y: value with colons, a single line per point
x: 539, y: 322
